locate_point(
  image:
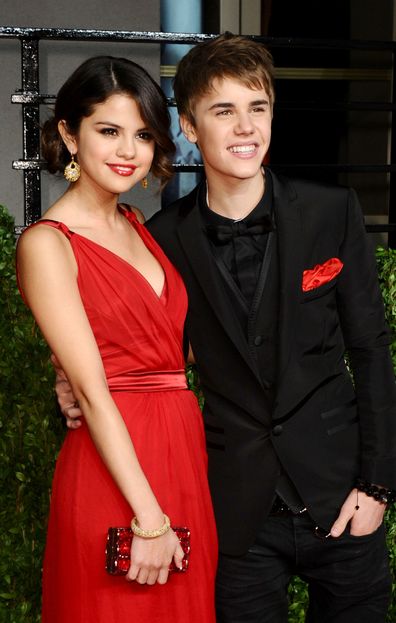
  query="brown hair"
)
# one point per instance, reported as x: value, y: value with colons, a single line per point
x: 93, y: 83
x: 226, y: 56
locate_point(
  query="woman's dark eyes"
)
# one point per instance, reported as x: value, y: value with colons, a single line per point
x: 109, y: 131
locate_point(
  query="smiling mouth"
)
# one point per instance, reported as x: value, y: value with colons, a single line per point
x: 124, y: 170
x: 242, y: 149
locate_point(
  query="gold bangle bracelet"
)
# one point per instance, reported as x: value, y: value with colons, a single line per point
x: 150, y: 534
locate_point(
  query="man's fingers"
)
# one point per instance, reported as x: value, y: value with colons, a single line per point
x: 73, y: 424
x: 67, y: 402
x: 72, y: 415
x: 72, y: 411
x: 60, y: 375
x: 338, y: 526
x: 348, y: 509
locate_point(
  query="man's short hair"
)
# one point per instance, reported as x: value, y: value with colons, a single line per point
x: 226, y: 56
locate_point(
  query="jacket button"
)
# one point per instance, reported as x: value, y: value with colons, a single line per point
x: 277, y: 430
x: 258, y: 340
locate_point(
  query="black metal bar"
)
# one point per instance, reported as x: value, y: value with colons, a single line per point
x: 336, y: 106
x: 379, y: 229
x: 80, y: 34
x: 29, y: 165
x: 41, y: 165
x: 30, y: 97
x: 31, y: 129
x: 339, y: 168
x: 382, y: 228
x: 27, y: 97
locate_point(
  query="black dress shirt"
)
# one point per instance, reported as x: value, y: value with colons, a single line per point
x: 242, y: 255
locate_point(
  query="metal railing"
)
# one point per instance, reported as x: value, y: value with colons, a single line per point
x: 30, y: 98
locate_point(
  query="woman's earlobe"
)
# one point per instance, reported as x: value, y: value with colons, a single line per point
x: 67, y: 138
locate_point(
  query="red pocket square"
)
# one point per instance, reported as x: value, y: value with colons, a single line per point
x: 321, y: 273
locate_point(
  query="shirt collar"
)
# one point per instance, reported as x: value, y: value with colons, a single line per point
x: 263, y: 208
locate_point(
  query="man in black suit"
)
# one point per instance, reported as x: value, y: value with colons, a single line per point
x: 281, y: 281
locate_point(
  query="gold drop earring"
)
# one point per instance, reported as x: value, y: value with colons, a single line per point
x: 72, y: 170
x: 144, y: 183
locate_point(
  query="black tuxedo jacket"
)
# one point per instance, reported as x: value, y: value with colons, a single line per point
x: 325, y: 429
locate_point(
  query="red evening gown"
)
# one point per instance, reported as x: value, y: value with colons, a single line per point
x: 139, y: 336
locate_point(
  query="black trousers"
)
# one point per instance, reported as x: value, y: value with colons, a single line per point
x: 348, y: 577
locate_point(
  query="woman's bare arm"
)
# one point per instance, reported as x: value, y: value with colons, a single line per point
x: 48, y: 277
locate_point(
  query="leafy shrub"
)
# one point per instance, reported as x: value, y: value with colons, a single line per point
x: 386, y: 261
x: 31, y: 434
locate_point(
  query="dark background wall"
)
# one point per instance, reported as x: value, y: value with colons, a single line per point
x: 318, y: 136
x: 329, y: 136
x: 57, y: 60
x: 314, y: 136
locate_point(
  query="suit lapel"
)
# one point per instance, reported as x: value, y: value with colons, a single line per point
x: 289, y: 235
x: 200, y: 258
x: 289, y: 228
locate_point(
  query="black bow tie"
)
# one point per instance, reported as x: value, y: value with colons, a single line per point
x: 225, y: 233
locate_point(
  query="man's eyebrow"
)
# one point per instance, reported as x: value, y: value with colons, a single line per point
x: 222, y: 105
x: 261, y: 102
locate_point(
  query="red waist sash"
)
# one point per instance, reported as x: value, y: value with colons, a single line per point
x: 162, y: 381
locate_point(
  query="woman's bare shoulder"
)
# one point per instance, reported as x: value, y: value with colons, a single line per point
x: 39, y: 232
x: 42, y: 240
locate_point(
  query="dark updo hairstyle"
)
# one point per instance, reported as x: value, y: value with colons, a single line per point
x: 93, y: 83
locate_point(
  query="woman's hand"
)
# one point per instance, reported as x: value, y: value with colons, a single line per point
x: 151, y: 558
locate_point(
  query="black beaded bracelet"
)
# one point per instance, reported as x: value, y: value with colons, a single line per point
x: 385, y: 496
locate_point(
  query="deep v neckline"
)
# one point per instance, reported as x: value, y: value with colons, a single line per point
x: 159, y: 297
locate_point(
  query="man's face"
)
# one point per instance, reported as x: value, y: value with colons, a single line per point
x: 232, y: 130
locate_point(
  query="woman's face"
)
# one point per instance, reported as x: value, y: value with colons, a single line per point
x: 114, y: 147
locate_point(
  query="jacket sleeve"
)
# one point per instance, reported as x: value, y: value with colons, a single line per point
x: 367, y: 341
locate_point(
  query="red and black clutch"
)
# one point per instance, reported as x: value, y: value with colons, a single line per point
x: 118, y: 550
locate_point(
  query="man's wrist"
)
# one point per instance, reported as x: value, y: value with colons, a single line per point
x: 381, y: 494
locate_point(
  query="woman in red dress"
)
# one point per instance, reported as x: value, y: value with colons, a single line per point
x: 112, y: 308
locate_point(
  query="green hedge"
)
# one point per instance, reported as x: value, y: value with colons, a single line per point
x: 31, y: 434
x: 386, y: 260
